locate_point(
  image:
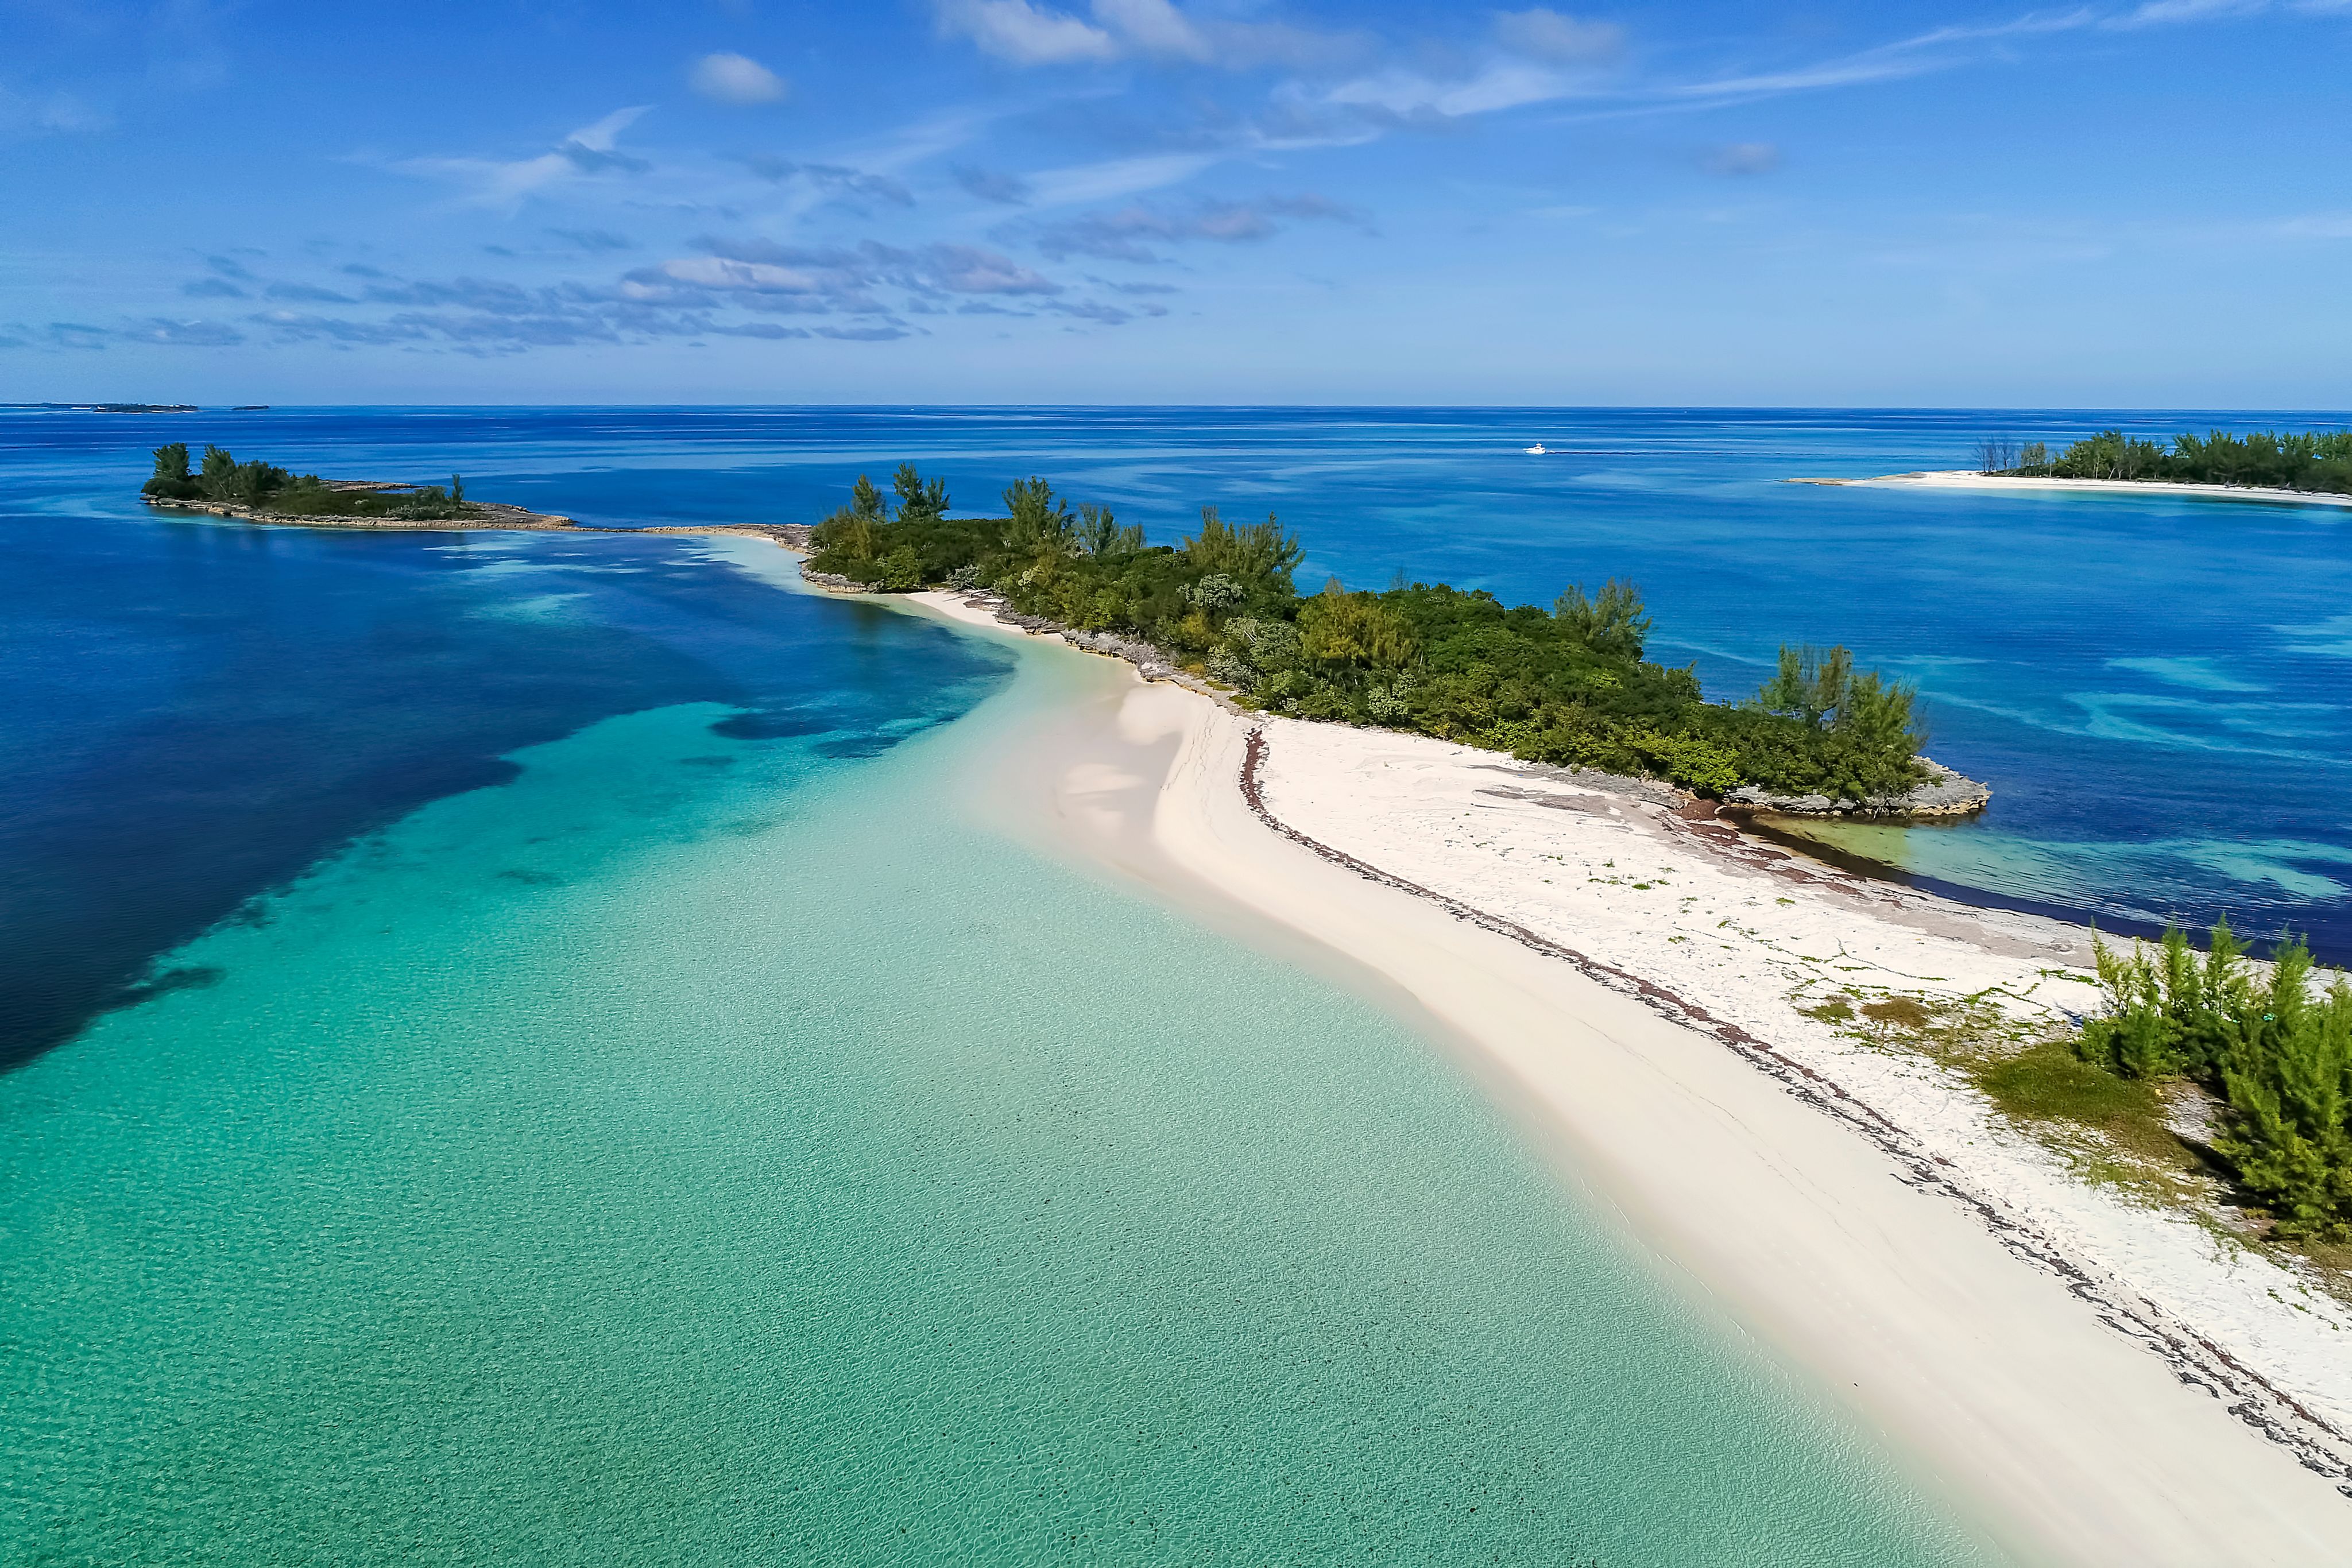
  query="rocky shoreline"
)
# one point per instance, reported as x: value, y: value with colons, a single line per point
x: 488, y: 515
x: 1946, y: 796
x: 482, y: 515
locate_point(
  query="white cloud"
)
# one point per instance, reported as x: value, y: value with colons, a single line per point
x: 1153, y: 26
x: 1033, y: 34
x: 1563, y: 40
x: 1017, y: 31
x: 735, y: 79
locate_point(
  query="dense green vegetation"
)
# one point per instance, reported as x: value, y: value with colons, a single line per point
x: 2306, y: 460
x: 1563, y: 685
x: 2273, y: 1048
x: 258, y: 484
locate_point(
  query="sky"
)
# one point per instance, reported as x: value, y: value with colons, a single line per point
x: 2140, y: 203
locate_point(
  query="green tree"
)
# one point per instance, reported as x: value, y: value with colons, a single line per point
x: 1881, y: 715
x: 1260, y: 557
x: 2279, y: 1056
x: 918, y: 502
x: 1353, y: 631
x: 1040, y: 522
x: 1810, y: 685
x: 1100, y: 536
x: 2287, y: 1075
x: 1610, y: 623
x: 864, y: 501
x: 217, y: 476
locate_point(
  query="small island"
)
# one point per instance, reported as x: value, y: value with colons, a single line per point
x: 2299, y: 467
x: 261, y: 492
x: 1567, y: 686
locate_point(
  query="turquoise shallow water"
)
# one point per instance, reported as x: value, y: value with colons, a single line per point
x: 704, y: 1147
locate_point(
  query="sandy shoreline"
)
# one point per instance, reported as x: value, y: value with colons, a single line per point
x: 2095, y: 1382
x: 1963, y: 480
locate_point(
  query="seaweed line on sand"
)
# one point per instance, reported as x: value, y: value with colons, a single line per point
x: 2196, y: 1360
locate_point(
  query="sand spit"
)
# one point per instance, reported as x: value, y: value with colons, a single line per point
x: 1964, y: 480
x: 495, y: 516
x: 2103, y: 1380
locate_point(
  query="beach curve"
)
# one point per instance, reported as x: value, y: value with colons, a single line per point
x: 2024, y: 1394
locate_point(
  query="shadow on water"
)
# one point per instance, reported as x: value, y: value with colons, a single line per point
x: 198, y: 713
x: 2330, y: 935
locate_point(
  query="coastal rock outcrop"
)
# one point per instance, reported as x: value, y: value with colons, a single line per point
x: 482, y: 515
x: 1945, y: 796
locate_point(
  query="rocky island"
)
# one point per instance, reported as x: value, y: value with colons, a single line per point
x: 2310, y: 468
x: 259, y: 492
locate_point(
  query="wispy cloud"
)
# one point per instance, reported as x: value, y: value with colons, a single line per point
x: 989, y: 185
x: 591, y: 151
x: 1737, y: 160
x: 2170, y: 13
x: 1136, y: 232
x: 837, y: 181
x: 1107, y: 182
x: 305, y: 294
x: 1029, y: 34
x: 1024, y: 33
x: 48, y: 114
x: 594, y: 240
x: 1546, y: 35
x: 850, y: 273
x: 183, y: 334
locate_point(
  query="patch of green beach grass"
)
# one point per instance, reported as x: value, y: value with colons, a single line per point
x: 2111, y: 1130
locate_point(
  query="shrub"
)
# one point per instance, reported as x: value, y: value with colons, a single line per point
x: 2279, y: 1056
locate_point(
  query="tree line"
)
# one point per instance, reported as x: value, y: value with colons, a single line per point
x: 267, y: 487
x: 1565, y: 685
x: 2294, y: 460
x: 2275, y: 1049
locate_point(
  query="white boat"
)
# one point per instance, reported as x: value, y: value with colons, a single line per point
x: 1536, y: 451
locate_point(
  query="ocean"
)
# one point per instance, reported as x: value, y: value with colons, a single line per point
x: 513, y: 1056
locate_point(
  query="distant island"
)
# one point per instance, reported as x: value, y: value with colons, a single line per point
x: 2313, y: 460
x: 263, y: 491
x: 106, y: 407
x: 2307, y: 468
x: 259, y: 492
x: 1567, y: 686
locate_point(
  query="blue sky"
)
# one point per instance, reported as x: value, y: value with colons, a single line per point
x: 1219, y: 201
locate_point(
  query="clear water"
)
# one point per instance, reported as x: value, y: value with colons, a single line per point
x: 512, y: 1059
x: 2156, y: 687
x: 697, y: 1143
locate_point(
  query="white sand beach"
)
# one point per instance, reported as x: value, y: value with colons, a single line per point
x: 2097, y: 1381
x: 1966, y: 479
